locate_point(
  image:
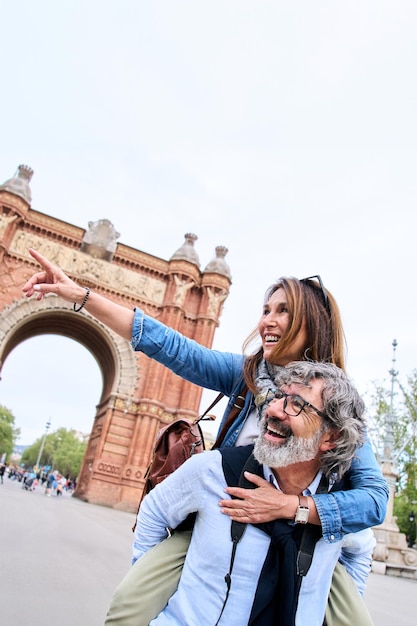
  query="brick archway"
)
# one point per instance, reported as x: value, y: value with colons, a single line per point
x: 53, y: 316
x: 138, y: 395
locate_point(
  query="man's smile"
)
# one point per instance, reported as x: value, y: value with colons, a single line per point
x: 276, y: 430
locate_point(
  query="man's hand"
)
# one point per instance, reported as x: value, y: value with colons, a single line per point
x: 262, y: 504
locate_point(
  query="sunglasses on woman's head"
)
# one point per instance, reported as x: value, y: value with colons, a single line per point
x: 323, y: 290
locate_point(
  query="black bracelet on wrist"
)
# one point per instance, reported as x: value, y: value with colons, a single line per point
x: 83, y: 303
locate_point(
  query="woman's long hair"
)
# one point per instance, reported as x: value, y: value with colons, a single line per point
x: 307, y: 305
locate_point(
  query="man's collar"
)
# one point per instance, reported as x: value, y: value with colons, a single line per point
x: 311, y: 489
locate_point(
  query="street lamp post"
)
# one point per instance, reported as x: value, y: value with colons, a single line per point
x: 38, y: 460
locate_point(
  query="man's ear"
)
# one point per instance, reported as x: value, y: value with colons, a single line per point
x: 329, y: 440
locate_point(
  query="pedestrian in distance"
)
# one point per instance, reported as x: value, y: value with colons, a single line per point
x: 2, y: 472
x: 50, y: 482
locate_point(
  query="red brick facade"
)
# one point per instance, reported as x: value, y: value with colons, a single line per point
x: 139, y: 395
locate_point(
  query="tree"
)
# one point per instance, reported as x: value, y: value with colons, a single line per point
x: 69, y: 453
x: 8, y: 432
x: 62, y: 450
x: 394, y: 425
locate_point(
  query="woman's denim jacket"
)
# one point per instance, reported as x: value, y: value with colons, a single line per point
x: 340, y: 512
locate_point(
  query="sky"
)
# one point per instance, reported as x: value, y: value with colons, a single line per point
x: 283, y: 131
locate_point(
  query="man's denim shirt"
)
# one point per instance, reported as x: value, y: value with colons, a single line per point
x: 341, y: 512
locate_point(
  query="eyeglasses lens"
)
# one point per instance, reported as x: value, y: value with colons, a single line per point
x: 293, y: 405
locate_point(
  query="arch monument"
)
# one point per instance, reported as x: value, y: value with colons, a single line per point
x: 139, y: 396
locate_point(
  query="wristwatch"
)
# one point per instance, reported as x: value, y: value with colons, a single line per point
x: 302, y: 513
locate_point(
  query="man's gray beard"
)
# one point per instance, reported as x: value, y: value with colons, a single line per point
x: 294, y: 450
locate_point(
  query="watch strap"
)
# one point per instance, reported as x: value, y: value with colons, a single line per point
x: 303, y: 510
x: 303, y: 502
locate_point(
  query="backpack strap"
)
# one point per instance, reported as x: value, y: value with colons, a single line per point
x: 232, y: 464
x: 310, y: 537
x: 205, y: 415
x: 234, y: 412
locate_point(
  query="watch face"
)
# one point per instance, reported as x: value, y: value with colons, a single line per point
x: 301, y: 516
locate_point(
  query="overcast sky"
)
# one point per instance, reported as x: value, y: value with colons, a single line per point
x: 285, y: 131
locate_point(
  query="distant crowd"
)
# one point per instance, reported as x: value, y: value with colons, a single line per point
x: 31, y: 478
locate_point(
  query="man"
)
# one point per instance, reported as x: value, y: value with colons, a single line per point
x: 252, y: 574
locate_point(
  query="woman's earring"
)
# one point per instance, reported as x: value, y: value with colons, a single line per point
x: 306, y: 351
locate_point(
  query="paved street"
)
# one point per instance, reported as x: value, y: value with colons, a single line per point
x: 391, y: 601
x: 61, y: 560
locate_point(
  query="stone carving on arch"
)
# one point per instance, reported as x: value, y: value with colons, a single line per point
x: 24, y: 319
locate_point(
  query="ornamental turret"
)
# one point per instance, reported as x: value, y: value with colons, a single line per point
x: 187, y: 251
x: 19, y: 184
x: 218, y: 265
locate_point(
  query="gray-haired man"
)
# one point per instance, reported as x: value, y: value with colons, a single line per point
x: 309, y: 432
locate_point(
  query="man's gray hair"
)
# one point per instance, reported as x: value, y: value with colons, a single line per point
x: 342, y: 404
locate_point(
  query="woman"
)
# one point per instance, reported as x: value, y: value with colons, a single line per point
x: 300, y: 321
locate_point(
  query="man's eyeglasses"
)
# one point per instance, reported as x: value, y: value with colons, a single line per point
x: 323, y: 290
x: 293, y: 403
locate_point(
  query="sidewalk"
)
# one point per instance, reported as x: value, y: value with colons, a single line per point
x: 391, y: 601
x: 62, y: 559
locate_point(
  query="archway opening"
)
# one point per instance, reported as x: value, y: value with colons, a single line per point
x: 50, y: 377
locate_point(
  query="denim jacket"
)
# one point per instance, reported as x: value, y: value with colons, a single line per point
x: 341, y: 512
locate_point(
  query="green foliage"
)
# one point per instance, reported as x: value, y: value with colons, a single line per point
x: 62, y: 450
x: 8, y: 432
x: 402, y: 510
x: 394, y: 430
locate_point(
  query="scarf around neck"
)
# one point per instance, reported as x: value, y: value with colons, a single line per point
x: 266, y: 374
